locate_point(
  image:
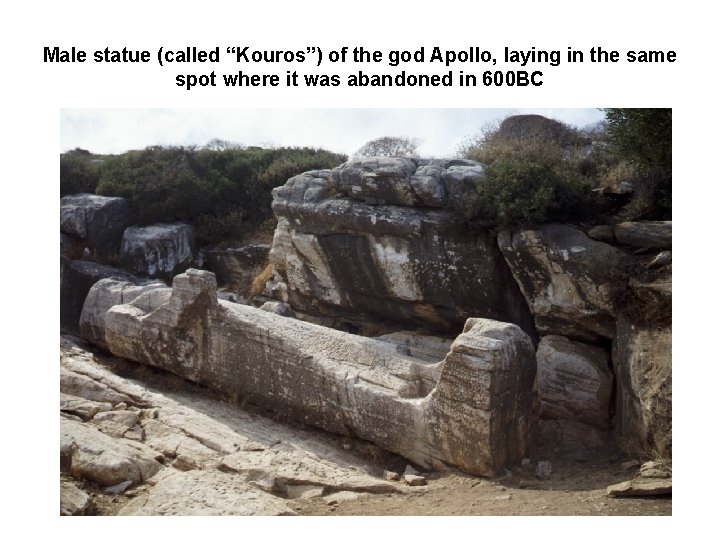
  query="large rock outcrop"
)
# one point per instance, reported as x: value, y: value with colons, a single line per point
x: 387, y: 238
x: 472, y: 410
x: 567, y: 279
x: 98, y: 222
x: 160, y: 250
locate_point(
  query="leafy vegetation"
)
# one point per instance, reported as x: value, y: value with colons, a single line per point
x: 79, y: 172
x: 223, y: 190
x: 529, y: 182
x: 540, y: 170
x: 536, y: 171
x: 642, y: 138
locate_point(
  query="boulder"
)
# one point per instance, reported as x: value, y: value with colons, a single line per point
x: 236, y: 267
x: 160, y: 250
x: 97, y: 221
x: 574, y: 381
x: 76, y: 279
x: 566, y: 278
x: 349, y: 245
x: 476, y: 416
x: 642, y: 359
x: 652, y: 234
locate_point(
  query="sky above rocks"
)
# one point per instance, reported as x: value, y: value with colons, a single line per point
x: 441, y: 131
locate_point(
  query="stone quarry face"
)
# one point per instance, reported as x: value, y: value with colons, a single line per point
x: 575, y: 385
x: 471, y: 410
x: 566, y: 278
x: 386, y: 238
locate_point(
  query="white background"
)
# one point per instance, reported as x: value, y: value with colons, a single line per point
x: 34, y: 92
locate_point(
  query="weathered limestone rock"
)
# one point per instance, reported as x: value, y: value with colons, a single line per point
x: 566, y: 279
x: 574, y: 381
x: 73, y: 501
x: 87, y: 453
x: 641, y: 487
x: 217, y: 459
x: 436, y: 183
x: 76, y: 279
x: 655, y: 234
x: 367, y: 239
x: 477, y: 416
x: 414, y: 480
x: 98, y: 221
x: 236, y: 267
x: 81, y: 407
x: 204, y: 493
x: 160, y: 250
x: 642, y: 359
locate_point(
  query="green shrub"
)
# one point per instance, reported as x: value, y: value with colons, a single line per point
x: 537, y: 170
x: 224, y: 191
x: 528, y: 183
x: 79, y: 172
x: 642, y: 137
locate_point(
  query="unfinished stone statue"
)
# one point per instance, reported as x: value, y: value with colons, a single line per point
x: 471, y: 410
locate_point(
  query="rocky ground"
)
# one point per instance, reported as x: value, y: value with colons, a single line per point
x: 139, y: 441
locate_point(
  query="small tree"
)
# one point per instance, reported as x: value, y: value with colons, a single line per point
x: 642, y: 136
x: 389, y: 146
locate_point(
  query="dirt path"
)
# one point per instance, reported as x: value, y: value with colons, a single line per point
x: 575, y: 489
